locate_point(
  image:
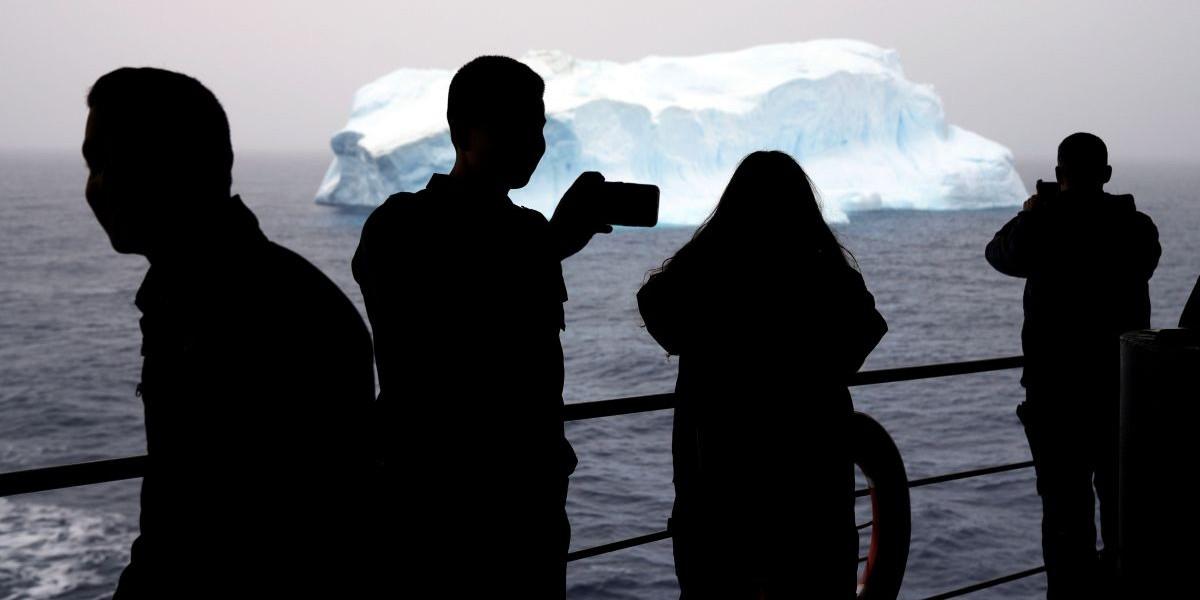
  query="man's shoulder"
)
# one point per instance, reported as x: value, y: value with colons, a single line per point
x: 293, y: 286
x: 1143, y: 220
x: 1140, y: 217
x: 1125, y: 206
x: 291, y: 270
x: 532, y: 226
x: 407, y: 212
x: 400, y: 205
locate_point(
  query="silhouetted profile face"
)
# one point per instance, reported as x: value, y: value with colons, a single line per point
x: 496, y: 117
x: 157, y: 150
x: 119, y: 227
x: 1083, y: 163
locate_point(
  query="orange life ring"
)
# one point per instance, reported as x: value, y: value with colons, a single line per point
x: 891, y: 518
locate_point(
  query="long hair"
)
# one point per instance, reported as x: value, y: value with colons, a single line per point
x: 769, y: 212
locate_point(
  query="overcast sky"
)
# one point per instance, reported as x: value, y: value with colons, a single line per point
x: 1022, y: 72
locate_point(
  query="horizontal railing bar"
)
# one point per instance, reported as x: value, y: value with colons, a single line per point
x: 654, y: 537
x: 577, y: 411
x: 966, y: 367
x: 116, y: 469
x: 85, y: 473
x: 51, y: 478
x: 662, y: 535
x: 127, y: 468
x: 983, y: 585
x: 967, y: 474
x: 915, y: 483
x: 618, y: 545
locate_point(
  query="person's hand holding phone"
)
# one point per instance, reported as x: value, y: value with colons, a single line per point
x: 1046, y: 190
x: 575, y: 218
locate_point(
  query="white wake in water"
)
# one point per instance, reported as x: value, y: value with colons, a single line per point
x: 49, y: 551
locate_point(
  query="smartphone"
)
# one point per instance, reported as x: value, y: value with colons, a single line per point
x: 628, y: 204
x: 1047, y: 189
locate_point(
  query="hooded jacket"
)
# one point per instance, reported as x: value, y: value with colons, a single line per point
x: 1087, y: 260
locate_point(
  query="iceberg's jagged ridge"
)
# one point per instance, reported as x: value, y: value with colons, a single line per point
x: 868, y: 137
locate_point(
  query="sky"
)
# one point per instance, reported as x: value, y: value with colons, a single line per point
x: 1022, y: 72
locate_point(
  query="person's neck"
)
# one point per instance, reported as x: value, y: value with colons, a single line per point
x: 478, y: 178
x: 1083, y: 190
x: 199, y: 237
x: 1084, y: 187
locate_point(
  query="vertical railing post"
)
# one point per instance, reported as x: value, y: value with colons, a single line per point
x: 1159, y: 454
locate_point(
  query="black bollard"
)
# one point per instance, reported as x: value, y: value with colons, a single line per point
x: 1160, y: 450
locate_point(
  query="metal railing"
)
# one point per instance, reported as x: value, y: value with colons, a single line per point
x: 103, y: 471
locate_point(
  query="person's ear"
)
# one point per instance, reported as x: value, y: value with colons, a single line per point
x: 468, y: 139
x: 457, y: 137
x: 478, y: 139
x: 1106, y: 174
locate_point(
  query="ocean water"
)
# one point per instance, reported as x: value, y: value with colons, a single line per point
x: 69, y: 363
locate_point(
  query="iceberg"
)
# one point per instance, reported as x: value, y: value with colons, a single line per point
x: 868, y: 137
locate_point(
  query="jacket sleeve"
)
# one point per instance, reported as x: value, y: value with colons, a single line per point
x: 870, y: 325
x: 383, y: 262
x: 1191, y: 312
x: 1148, y: 247
x: 1012, y: 249
x: 659, y: 302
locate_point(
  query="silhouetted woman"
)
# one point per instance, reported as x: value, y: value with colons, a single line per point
x: 769, y: 318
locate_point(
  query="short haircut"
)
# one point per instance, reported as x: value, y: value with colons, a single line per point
x: 1082, y: 153
x: 166, y: 122
x: 490, y: 89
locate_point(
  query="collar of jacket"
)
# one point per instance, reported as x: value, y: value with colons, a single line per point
x: 466, y: 191
x: 1095, y: 201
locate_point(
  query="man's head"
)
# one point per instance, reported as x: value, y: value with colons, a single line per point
x: 496, y: 118
x: 1083, y: 163
x: 158, y: 154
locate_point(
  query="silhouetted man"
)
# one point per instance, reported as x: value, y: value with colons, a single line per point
x: 1087, y: 257
x: 465, y: 295
x: 257, y: 369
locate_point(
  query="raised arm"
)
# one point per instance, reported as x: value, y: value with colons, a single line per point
x: 573, y: 223
x: 1011, y: 250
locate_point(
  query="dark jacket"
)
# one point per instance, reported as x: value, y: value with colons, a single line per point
x: 464, y: 292
x: 759, y: 444
x: 1087, y: 262
x: 257, y: 382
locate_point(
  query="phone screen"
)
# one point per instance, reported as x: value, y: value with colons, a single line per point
x: 629, y: 204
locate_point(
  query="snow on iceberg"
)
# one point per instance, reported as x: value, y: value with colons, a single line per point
x: 868, y: 137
